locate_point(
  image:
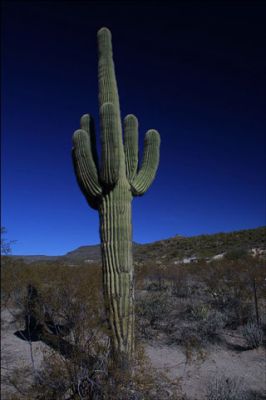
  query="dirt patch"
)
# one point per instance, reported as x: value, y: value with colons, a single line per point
x: 192, y: 374
x: 18, y: 357
x: 195, y: 373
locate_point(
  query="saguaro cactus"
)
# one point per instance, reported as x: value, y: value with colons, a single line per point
x: 109, y: 188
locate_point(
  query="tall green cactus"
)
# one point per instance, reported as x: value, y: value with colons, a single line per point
x: 109, y: 188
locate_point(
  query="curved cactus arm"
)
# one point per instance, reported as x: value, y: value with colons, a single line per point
x: 110, y: 146
x: 108, y: 92
x: 85, y: 168
x: 131, y: 137
x: 87, y: 124
x: 146, y: 174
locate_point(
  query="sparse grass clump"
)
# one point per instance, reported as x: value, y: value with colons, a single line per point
x: 253, y: 334
x: 221, y: 387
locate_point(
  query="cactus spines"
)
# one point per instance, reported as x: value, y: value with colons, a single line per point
x: 109, y: 188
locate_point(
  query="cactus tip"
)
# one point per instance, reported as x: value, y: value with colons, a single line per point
x: 85, y: 118
x: 131, y: 117
x: 76, y: 134
x: 104, y: 30
x: 153, y: 132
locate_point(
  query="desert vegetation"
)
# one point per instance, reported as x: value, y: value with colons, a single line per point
x: 192, y: 308
x: 235, y: 244
x: 202, y: 300
x: 63, y: 307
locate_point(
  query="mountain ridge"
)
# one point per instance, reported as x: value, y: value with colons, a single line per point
x: 177, y: 246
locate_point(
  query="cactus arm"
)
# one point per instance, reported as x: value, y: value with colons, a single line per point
x: 85, y: 168
x: 109, y: 144
x: 87, y: 124
x: 146, y: 174
x: 131, y: 145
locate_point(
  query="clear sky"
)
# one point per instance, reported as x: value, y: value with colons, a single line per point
x: 191, y: 70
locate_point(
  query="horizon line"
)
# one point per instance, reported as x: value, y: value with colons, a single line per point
x: 141, y: 243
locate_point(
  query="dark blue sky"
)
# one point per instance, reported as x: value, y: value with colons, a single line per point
x: 192, y: 70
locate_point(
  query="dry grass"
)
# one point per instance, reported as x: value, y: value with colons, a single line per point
x: 188, y: 306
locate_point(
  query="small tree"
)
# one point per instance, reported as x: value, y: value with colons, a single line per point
x: 6, y: 248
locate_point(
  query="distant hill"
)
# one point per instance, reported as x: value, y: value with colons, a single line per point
x: 82, y: 253
x: 176, y: 247
x: 90, y: 253
x: 204, y: 246
x: 36, y: 258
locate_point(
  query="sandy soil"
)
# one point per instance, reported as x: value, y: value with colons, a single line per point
x: 192, y: 374
x: 16, y: 354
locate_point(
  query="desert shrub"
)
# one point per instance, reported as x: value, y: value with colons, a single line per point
x: 181, y: 285
x: 187, y: 336
x: 212, y: 324
x: 209, y: 317
x: 209, y: 326
x: 48, y: 276
x: 157, y: 277
x: 77, y: 362
x: 236, y: 253
x: 79, y: 376
x: 197, y: 312
x: 9, y: 276
x: 74, y: 379
x: 236, y: 310
x: 236, y: 288
x: 156, y: 283
x: 182, y: 290
x: 226, y: 388
x: 151, y: 312
x: 255, y: 395
x: 253, y: 334
x: 202, y: 325
x: 150, y: 276
x: 77, y: 355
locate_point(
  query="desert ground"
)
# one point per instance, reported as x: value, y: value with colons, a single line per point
x: 200, y: 323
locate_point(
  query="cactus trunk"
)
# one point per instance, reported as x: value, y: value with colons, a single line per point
x: 116, y: 247
x: 109, y: 188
